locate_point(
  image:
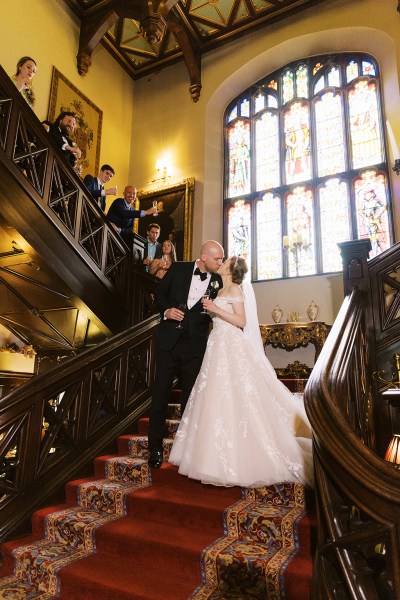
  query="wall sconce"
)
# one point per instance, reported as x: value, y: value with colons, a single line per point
x: 393, y: 451
x: 162, y: 171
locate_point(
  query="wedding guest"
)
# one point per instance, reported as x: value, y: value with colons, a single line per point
x: 122, y: 214
x: 62, y: 132
x: 241, y: 425
x: 160, y: 266
x: 95, y: 185
x: 182, y: 334
x: 153, y: 248
x: 26, y: 70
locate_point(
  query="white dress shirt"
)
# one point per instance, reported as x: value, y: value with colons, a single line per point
x: 197, y: 288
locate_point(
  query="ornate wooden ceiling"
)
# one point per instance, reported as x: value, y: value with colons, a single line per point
x: 147, y: 35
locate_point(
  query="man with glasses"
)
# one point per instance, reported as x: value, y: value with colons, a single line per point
x: 182, y: 334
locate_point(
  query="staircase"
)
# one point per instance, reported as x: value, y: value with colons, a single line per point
x: 131, y: 533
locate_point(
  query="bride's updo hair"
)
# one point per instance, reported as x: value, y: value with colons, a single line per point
x: 238, y: 269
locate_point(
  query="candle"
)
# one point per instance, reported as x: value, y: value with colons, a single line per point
x: 286, y: 241
x: 299, y: 237
x: 395, y: 149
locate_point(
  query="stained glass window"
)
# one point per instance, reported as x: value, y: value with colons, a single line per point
x: 267, y: 151
x: 239, y: 158
x: 372, y: 209
x: 297, y: 143
x: 259, y: 102
x: 239, y: 226
x: 269, y: 229
x: 306, y: 167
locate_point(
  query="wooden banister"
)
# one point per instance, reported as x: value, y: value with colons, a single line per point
x: 57, y: 422
x: 358, y: 493
x: 50, y: 213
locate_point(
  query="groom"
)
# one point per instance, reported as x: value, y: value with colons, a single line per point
x: 181, y: 350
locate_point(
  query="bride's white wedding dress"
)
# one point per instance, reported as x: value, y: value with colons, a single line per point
x: 241, y: 425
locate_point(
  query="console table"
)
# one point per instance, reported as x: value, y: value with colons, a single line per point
x: 289, y: 336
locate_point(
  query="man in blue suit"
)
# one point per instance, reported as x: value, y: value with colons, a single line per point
x: 95, y: 185
x: 122, y: 214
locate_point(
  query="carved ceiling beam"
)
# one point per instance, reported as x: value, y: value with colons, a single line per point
x: 191, y: 53
x: 154, y: 16
x: 94, y: 26
x: 191, y: 56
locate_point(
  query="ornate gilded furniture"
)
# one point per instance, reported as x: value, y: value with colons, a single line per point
x: 289, y: 336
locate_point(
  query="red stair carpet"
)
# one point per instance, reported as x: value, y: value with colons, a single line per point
x: 128, y: 533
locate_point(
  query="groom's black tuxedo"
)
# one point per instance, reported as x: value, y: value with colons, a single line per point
x: 179, y: 351
x: 173, y: 290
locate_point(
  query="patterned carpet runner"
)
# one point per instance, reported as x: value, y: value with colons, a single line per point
x: 254, y: 556
x: 260, y: 539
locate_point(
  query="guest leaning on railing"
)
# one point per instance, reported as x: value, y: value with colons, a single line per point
x: 26, y: 70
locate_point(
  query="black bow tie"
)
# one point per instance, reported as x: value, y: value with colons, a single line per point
x: 203, y: 276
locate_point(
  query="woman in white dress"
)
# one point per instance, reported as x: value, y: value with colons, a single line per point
x: 241, y: 425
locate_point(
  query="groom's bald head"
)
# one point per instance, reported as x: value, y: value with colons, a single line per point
x: 211, y: 256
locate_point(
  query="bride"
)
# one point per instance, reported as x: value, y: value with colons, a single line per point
x: 241, y: 425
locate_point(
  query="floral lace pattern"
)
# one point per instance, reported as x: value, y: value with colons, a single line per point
x: 241, y: 425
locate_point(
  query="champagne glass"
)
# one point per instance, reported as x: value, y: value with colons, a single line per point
x: 206, y: 296
x: 182, y: 307
x: 155, y: 206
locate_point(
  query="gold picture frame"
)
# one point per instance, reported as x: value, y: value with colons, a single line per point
x: 64, y: 96
x: 176, y: 218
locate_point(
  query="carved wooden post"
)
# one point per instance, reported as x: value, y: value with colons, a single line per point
x: 355, y: 269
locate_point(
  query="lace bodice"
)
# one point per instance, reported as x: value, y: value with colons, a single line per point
x: 226, y: 303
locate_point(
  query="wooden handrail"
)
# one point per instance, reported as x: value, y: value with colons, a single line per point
x: 54, y: 424
x: 358, y: 493
x: 48, y: 205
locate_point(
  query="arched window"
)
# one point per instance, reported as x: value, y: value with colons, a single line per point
x: 305, y: 167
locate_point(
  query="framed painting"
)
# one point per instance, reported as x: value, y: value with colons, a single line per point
x: 175, y: 215
x: 64, y: 96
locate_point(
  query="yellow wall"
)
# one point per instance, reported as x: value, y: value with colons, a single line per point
x: 49, y: 32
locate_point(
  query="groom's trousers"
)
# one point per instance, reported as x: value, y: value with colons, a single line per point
x: 182, y: 362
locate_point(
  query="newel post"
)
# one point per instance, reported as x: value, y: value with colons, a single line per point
x: 355, y: 269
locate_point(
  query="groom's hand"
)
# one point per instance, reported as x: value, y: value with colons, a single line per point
x: 174, y: 314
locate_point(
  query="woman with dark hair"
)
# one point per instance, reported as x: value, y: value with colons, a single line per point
x: 160, y: 266
x: 241, y: 425
x: 26, y: 70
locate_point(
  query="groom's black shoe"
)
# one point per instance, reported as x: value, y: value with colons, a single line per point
x: 156, y: 458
